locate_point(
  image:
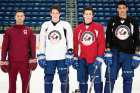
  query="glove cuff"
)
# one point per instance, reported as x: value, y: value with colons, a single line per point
x: 99, y: 59
x: 41, y: 56
x: 69, y: 56
x: 108, y: 53
x: 136, y: 57
x: 75, y: 58
x: 69, y: 53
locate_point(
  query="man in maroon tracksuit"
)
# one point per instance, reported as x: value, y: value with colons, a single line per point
x: 19, y: 43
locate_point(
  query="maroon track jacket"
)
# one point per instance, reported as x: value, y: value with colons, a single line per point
x: 19, y: 43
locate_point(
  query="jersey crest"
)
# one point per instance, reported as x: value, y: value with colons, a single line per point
x: 87, y: 38
x: 122, y: 32
x: 54, y: 36
x: 25, y: 32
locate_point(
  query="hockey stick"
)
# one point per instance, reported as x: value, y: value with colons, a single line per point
x: 108, y: 54
x: 28, y: 82
x: 67, y: 77
x: 90, y: 89
x: 110, y: 89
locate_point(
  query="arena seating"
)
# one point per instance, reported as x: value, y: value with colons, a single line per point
x: 105, y: 9
x: 37, y: 11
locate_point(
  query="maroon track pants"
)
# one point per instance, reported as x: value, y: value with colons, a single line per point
x: 23, y: 69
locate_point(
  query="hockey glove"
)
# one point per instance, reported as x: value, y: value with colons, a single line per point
x: 5, y: 67
x: 99, y: 61
x: 135, y: 61
x: 108, y: 57
x: 42, y: 60
x: 75, y: 64
x: 32, y: 64
x: 69, y: 57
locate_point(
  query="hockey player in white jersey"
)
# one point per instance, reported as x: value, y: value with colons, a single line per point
x: 56, y: 50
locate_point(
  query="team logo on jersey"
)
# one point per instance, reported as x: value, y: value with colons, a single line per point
x: 87, y: 38
x: 54, y: 36
x: 25, y: 32
x: 122, y: 32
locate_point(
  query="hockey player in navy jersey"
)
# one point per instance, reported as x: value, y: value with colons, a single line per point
x: 56, y: 50
x: 122, y: 38
x: 89, y: 47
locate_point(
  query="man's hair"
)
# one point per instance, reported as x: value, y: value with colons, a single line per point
x: 57, y: 7
x: 122, y: 2
x: 19, y: 11
x: 88, y: 8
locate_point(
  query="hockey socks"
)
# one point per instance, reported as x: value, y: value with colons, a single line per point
x: 98, y: 87
x: 127, y: 86
x: 83, y: 87
x: 107, y: 86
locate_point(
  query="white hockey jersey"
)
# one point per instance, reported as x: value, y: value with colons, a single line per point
x: 55, y: 39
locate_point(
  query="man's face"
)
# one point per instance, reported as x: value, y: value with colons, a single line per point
x: 55, y: 14
x: 88, y: 16
x: 20, y: 17
x: 122, y: 10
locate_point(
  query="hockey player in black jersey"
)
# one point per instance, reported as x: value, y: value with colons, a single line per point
x: 122, y: 38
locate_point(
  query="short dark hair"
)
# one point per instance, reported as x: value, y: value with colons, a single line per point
x: 19, y: 10
x: 88, y: 8
x: 57, y: 7
x: 122, y: 2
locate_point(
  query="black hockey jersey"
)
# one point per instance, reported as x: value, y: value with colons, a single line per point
x: 122, y: 34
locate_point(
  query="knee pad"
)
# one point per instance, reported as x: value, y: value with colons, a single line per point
x: 64, y: 78
x: 48, y: 78
x: 111, y: 74
x: 128, y: 74
x: 62, y: 68
x: 97, y: 79
x: 49, y: 70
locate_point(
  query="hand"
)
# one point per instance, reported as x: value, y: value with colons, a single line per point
x: 75, y: 63
x: 42, y: 60
x: 33, y: 64
x: 4, y: 66
x: 69, y: 57
x: 135, y: 61
x: 108, y: 57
